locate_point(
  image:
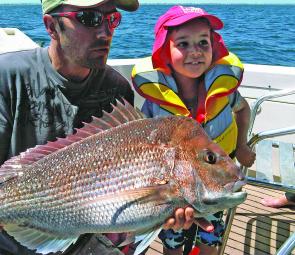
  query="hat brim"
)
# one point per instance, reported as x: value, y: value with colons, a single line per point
x: 215, y: 22
x: 126, y: 5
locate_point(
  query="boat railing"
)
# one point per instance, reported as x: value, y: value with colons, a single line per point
x: 266, y: 174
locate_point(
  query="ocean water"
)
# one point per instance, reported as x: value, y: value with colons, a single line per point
x: 258, y: 34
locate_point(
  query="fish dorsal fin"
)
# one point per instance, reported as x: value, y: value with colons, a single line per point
x: 33, y: 239
x: 120, y: 114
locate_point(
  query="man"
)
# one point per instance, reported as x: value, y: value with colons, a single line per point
x: 47, y: 92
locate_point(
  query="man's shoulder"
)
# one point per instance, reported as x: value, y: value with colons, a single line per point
x: 19, y: 54
x: 115, y: 75
x: 115, y: 82
x: 111, y: 78
x: 18, y: 60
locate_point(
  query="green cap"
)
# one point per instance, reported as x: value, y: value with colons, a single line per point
x: 127, y: 5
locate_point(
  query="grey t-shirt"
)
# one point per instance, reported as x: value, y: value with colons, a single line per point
x: 37, y: 105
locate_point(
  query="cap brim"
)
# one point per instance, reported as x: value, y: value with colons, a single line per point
x: 215, y: 22
x: 126, y: 5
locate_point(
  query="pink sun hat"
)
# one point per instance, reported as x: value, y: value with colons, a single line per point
x: 178, y: 15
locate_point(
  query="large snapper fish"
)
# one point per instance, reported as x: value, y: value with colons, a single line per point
x: 119, y: 173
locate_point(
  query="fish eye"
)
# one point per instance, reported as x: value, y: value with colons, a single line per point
x: 210, y: 157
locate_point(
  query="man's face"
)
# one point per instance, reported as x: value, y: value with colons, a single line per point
x: 86, y: 46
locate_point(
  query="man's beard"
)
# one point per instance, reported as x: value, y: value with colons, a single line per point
x: 98, y: 62
x: 87, y: 60
x: 95, y: 63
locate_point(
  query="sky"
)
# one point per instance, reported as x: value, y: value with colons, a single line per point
x: 179, y: 1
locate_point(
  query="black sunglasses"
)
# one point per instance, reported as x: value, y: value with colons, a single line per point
x: 91, y: 18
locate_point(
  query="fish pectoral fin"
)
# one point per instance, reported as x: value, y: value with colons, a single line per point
x: 160, y: 193
x: 145, y: 239
x: 130, y: 238
x: 40, y: 241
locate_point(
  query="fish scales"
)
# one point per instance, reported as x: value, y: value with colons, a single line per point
x: 129, y: 177
x: 126, y: 160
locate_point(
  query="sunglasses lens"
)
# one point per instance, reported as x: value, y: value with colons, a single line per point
x: 95, y: 18
x: 114, y: 19
x: 90, y: 18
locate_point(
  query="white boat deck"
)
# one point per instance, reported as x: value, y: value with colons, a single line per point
x: 256, y: 229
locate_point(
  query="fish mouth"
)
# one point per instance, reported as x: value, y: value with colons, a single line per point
x: 232, y: 194
x: 235, y: 186
x: 220, y: 203
x: 227, y: 201
x: 210, y: 201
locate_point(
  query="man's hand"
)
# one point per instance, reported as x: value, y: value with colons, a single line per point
x: 183, y: 218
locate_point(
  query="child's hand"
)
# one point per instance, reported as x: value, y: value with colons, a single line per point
x: 245, y: 155
x: 183, y: 218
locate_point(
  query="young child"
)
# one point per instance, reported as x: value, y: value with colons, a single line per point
x: 193, y: 74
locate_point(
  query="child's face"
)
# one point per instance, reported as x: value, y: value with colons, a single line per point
x: 191, y: 49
